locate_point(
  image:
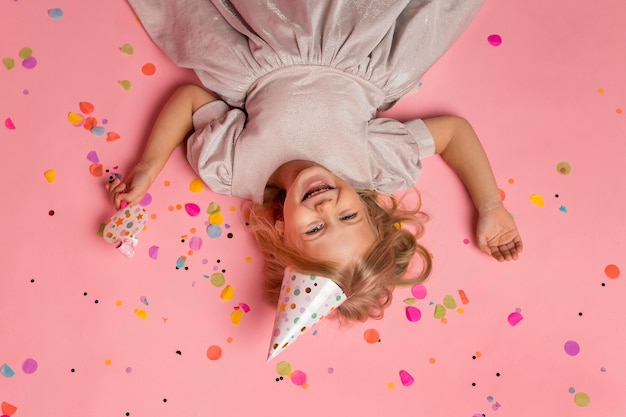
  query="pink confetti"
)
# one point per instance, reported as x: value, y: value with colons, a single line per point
x: 298, y: 377
x: 153, y: 252
x: 146, y: 200
x: 195, y: 243
x: 9, y: 123
x: 413, y: 314
x: 29, y: 63
x: 514, y: 318
x: 419, y: 291
x: 406, y: 378
x: 92, y: 156
x: 245, y: 307
x: 571, y: 347
x: 494, y: 40
x: 29, y: 366
x: 192, y: 209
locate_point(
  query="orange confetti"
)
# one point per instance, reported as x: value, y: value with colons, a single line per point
x: 8, y: 409
x: 148, y: 69
x: 463, y: 296
x: 371, y: 336
x: 112, y: 136
x: 86, y: 107
x: 90, y: 123
x: 96, y: 170
x: 214, y: 352
x: 502, y: 194
x: 612, y: 271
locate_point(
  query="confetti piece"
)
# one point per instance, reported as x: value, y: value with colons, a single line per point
x: 142, y: 314
x: 96, y: 170
x: 413, y: 314
x: 112, y: 136
x: 25, y: 52
x: 196, y: 186
x: 127, y: 49
x: 55, y: 13
x: 571, y: 347
x: 537, y: 199
x: 406, y: 378
x: 97, y: 131
x: 449, y: 302
x: 8, y: 409
x: 494, y: 40
x: 148, y: 69
x: 440, y: 311
x: 126, y: 85
x: 92, y: 156
x: 213, y: 208
x: 214, y: 231
x: 217, y: 279
x: 235, y: 317
x: 298, y: 378
x: 563, y: 209
x: 29, y: 366
x: 180, y: 262
x: 192, y: 209
x: 75, y: 119
x: 9, y: 63
x: 419, y: 291
x: 8, y: 123
x: 214, y: 352
x: 153, y: 252
x: 216, y: 218
x: 563, y: 168
x: 6, y: 371
x: 410, y: 301
x: 283, y: 368
x: 50, y: 174
x: 227, y: 293
x: 90, y: 123
x: 514, y: 318
x: 612, y: 271
x: 463, y: 297
x: 581, y: 399
x: 195, y: 243
x: 86, y: 107
x: 29, y: 63
x: 371, y: 336
x: 245, y: 307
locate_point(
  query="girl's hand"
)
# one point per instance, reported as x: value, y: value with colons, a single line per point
x: 497, y: 234
x: 131, y: 190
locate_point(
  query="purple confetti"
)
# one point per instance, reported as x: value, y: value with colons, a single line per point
x: 571, y: 347
x: 29, y: 63
x: 29, y: 366
x: 146, y: 200
x: 92, y: 156
x: 153, y: 252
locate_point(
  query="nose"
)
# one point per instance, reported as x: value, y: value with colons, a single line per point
x: 323, y: 205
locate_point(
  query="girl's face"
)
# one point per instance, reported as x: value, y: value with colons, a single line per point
x: 324, y: 218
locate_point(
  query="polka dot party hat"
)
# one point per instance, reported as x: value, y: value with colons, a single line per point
x: 304, y: 300
x: 123, y: 227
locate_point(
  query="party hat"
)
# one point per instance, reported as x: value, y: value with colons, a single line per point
x: 123, y: 227
x: 304, y: 300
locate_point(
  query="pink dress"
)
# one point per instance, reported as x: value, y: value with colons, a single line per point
x: 304, y: 79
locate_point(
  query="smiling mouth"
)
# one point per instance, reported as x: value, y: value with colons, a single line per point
x: 316, y: 189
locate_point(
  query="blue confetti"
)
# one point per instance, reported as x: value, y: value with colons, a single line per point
x: 55, y: 13
x: 98, y: 130
x: 6, y: 371
x: 214, y: 231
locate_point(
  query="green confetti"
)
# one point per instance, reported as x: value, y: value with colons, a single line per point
x: 125, y: 84
x: 127, y: 49
x: 9, y: 63
x: 410, y: 301
x: 440, y: 311
x: 25, y: 53
x: 449, y: 302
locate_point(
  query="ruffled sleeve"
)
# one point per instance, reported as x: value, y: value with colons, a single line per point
x: 395, y: 153
x: 210, y: 147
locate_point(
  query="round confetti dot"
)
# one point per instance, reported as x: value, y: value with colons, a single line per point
x: 571, y: 347
x: 419, y: 291
x: 248, y: 259
x: 214, y: 352
x: 371, y: 336
x: 118, y: 303
x: 563, y: 168
x: 192, y: 209
x: 29, y: 366
x: 514, y: 318
x: 466, y: 241
x: 213, y: 208
x: 108, y: 362
x: 298, y: 378
x: 618, y: 111
x: 25, y: 52
x: 601, y: 90
x: 214, y: 231
x: 217, y: 279
x: 390, y: 385
x: 195, y: 186
x: 51, y: 213
x: 29, y: 63
x: 129, y: 370
x: 283, y: 368
x: 511, y: 181
x: 146, y: 200
x: 148, y: 69
x: 494, y: 40
x: 55, y: 13
x: 612, y: 271
x: 581, y: 399
x: 432, y: 361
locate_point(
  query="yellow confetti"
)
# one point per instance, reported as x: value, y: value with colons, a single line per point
x: 537, y: 199
x: 142, y: 314
x: 227, y: 293
x: 50, y: 174
x: 196, y: 186
x: 216, y: 218
x: 236, y: 316
x: 127, y: 49
x: 449, y: 302
x: 126, y: 85
x: 283, y: 368
x: 75, y: 119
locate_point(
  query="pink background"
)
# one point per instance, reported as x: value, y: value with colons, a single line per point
x: 553, y: 91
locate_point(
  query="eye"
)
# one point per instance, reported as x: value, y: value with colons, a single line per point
x: 315, y: 229
x: 348, y: 217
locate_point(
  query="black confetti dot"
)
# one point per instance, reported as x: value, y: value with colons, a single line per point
x: 603, y: 284
x: 497, y: 373
x: 223, y: 271
x: 85, y: 294
x: 96, y: 301
x: 556, y: 195
x: 218, y: 261
x: 230, y: 235
x: 164, y: 400
x: 580, y: 314
x: 32, y: 280
x: 72, y: 370
x: 51, y: 213
x: 473, y: 384
x: 474, y: 357
x: 127, y: 414
x: 178, y: 352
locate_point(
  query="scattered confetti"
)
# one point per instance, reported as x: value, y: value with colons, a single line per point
x: 75, y: 119
x: 29, y: 63
x: 537, y: 200
x: 449, y: 302
x: 112, y: 136
x: 463, y: 297
x: 413, y: 314
x: 217, y: 279
x: 55, y: 13
x: 6, y: 371
x: 214, y: 231
x: 29, y: 366
x: 514, y: 318
x: 127, y: 49
x: 298, y: 378
x: 8, y: 123
x: 7, y: 409
x: 581, y: 399
x: 9, y: 63
x: 440, y: 311
x: 142, y: 314
x: 214, y: 352
x: 406, y: 378
x: 236, y: 316
x: 283, y: 368
x: 494, y: 40
x: 50, y: 175
x: 96, y: 170
x: 148, y: 69
x: 572, y: 348
x: 227, y: 293
x: 612, y: 271
x: 192, y: 209
x: 92, y: 156
x: 195, y: 243
x: 196, y: 186
x: 86, y: 107
x: 126, y: 85
x: 419, y: 291
x: 563, y: 168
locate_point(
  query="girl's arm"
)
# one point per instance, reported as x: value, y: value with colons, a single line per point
x: 170, y: 129
x: 458, y: 145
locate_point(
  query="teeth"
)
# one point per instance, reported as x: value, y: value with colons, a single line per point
x: 317, y: 190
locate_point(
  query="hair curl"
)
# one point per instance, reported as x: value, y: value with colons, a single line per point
x: 369, y: 282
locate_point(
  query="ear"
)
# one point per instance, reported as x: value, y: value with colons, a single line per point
x: 280, y: 227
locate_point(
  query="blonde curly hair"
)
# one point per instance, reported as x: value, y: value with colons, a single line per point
x: 369, y: 282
